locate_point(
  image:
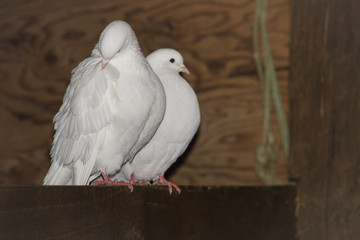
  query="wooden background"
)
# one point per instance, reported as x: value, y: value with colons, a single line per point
x: 41, y: 41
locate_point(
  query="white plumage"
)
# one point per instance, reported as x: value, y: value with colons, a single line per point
x: 180, y: 123
x: 112, y: 107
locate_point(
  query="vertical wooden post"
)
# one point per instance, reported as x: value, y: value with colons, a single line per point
x: 325, y: 117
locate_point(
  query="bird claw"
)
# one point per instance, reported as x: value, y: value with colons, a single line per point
x: 171, y: 185
x: 143, y: 183
x: 121, y: 183
x: 108, y: 181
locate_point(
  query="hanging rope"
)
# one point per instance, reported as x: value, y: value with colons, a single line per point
x: 267, y: 153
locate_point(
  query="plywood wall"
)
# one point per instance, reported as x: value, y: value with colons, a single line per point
x: 41, y: 41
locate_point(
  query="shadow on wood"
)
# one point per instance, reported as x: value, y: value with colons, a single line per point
x: 149, y: 212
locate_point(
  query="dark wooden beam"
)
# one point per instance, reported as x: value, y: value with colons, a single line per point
x: 325, y: 117
x: 149, y: 212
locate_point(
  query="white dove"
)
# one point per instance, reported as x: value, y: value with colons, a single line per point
x: 180, y: 123
x: 111, y: 109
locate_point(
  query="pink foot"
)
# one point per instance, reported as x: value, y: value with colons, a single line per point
x: 171, y: 185
x: 132, y: 179
x: 108, y: 181
x: 121, y: 183
x: 143, y: 182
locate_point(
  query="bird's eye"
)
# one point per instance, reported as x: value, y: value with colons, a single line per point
x: 172, y: 60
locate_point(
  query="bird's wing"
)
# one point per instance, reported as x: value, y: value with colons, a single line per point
x: 87, y: 109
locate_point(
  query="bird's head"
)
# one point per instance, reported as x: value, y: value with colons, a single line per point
x: 167, y: 59
x: 113, y: 39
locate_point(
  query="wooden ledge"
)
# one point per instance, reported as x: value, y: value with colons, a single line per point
x: 149, y: 212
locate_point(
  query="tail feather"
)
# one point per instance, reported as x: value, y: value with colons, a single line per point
x: 83, y: 170
x: 78, y: 172
x: 57, y: 174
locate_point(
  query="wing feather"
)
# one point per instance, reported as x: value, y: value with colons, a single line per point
x: 86, y: 110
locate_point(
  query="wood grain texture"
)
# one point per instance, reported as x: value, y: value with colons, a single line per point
x: 325, y: 113
x: 41, y: 41
x: 149, y: 212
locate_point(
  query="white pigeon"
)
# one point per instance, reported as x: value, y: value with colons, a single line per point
x: 180, y: 123
x: 111, y: 109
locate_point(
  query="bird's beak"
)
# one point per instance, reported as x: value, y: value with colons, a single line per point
x: 184, y: 69
x: 104, y: 63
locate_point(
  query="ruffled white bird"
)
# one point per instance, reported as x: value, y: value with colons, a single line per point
x: 180, y: 123
x: 111, y: 109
